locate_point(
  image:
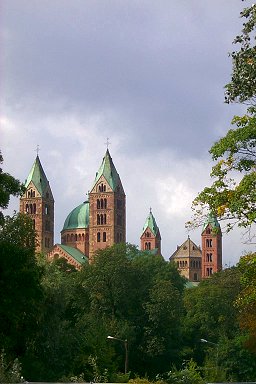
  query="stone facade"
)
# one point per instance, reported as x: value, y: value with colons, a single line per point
x: 188, y: 258
x: 38, y: 203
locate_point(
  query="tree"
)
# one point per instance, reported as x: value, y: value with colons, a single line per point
x: 212, y: 316
x: 8, y: 186
x: 20, y: 291
x: 232, y: 196
x: 246, y: 301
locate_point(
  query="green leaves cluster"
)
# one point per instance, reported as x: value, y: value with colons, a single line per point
x: 232, y: 195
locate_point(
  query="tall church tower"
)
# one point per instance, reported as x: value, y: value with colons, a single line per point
x: 107, y: 217
x: 211, y: 247
x: 150, y: 239
x: 38, y: 203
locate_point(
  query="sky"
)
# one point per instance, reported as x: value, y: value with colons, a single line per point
x: 146, y: 75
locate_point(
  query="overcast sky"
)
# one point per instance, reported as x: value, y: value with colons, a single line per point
x: 149, y: 75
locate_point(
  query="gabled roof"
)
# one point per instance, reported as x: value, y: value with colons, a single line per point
x: 187, y: 249
x: 212, y: 221
x: 74, y: 253
x: 108, y: 170
x: 151, y: 224
x: 38, y: 177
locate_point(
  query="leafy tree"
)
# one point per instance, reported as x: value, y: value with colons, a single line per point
x: 246, y: 301
x: 232, y: 195
x: 212, y: 316
x: 20, y: 291
x: 8, y: 186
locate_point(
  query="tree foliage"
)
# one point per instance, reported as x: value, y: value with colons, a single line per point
x: 8, y: 186
x: 232, y: 195
x: 246, y: 301
x: 20, y: 290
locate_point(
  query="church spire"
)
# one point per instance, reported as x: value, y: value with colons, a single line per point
x: 38, y: 203
x: 150, y: 237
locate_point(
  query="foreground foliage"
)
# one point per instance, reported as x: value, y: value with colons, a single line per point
x: 232, y: 196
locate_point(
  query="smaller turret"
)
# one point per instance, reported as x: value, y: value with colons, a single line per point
x: 211, y: 246
x: 150, y: 239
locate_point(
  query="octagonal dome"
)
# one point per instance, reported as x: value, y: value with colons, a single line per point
x: 78, y: 217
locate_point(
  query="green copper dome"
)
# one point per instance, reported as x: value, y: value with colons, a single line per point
x: 78, y: 217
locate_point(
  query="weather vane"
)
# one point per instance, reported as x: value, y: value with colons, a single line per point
x: 37, y: 149
x: 108, y: 142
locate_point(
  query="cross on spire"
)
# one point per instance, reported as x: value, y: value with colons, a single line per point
x: 107, y: 142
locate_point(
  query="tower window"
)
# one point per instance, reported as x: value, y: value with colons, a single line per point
x: 209, y: 257
x: 46, y: 209
x: 98, y: 237
x: 208, y: 243
x: 34, y: 208
x: 104, y: 237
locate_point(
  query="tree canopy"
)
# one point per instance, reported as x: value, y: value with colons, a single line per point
x: 232, y: 195
x: 8, y: 186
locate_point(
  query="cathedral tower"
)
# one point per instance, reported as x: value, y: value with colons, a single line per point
x: 38, y: 203
x: 150, y: 239
x: 211, y: 247
x: 107, y: 217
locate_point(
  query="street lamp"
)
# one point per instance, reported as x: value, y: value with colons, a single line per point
x: 125, y: 342
x: 217, y: 351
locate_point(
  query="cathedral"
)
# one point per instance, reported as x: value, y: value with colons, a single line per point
x: 100, y: 222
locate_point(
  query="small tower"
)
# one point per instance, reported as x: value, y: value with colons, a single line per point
x: 38, y: 203
x: 211, y: 247
x: 188, y: 258
x: 107, y: 217
x: 150, y: 239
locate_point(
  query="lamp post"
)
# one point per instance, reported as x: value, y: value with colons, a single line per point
x: 217, y: 351
x: 125, y: 342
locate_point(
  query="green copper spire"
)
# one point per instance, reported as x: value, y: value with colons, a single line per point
x: 151, y: 224
x: 212, y: 220
x: 38, y: 177
x: 108, y: 170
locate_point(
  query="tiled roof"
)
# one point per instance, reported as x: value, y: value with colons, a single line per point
x: 151, y: 224
x: 38, y: 177
x: 212, y: 220
x: 108, y: 170
x: 74, y: 253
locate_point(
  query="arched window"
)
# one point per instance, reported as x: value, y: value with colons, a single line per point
x: 149, y: 245
x: 34, y: 208
x: 208, y: 230
x: 79, y: 237
x: 104, y: 237
x: 28, y: 193
x: 76, y: 237
x: 98, y: 219
x: 195, y: 277
x: 34, y: 223
x: 46, y: 209
x: 82, y: 236
x: 98, y: 237
x: 27, y: 208
x: 105, y: 203
x: 98, y: 203
x: 208, y: 243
